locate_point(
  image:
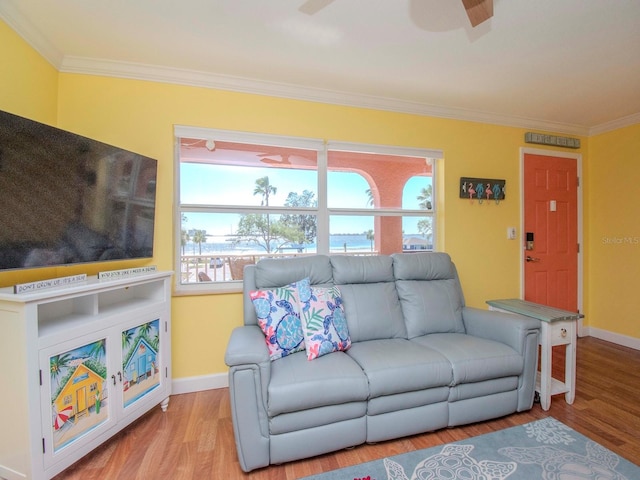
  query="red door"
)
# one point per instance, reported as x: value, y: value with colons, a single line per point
x: 551, y: 216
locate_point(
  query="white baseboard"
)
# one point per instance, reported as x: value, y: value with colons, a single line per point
x: 616, y: 338
x: 197, y: 384
x: 8, y: 474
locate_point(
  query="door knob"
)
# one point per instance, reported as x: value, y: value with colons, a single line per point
x: 532, y: 259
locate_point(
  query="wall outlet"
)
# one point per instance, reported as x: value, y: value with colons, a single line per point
x: 511, y: 233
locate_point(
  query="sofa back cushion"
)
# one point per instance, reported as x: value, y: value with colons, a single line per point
x: 429, y: 292
x: 371, y: 303
x: 278, y: 272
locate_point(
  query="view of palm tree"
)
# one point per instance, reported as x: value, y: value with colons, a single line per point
x: 369, y: 193
x: 184, y: 236
x: 425, y: 225
x: 370, y: 237
x: 265, y: 189
x: 425, y: 198
x: 199, y: 237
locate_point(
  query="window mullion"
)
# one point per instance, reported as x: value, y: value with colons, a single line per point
x: 379, y: 212
x: 244, y: 209
x: 322, y: 237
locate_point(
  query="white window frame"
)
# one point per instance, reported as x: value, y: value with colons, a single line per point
x: 322, y: 211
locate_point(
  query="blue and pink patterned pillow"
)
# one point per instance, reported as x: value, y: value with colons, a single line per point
x: 278, y: 315
x: 323, y: 321
x: 298, y: 317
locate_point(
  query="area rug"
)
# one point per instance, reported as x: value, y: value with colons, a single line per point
x: 544, y: 449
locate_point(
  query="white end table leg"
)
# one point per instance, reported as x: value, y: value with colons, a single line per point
x: 545, y: 366
x: 164, y: 404
x: 570, y: 365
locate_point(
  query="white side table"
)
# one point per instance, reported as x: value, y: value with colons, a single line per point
x: 558, y: 327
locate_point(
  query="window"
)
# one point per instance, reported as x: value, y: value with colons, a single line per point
x: 384, y: 193
x: 243, y: 196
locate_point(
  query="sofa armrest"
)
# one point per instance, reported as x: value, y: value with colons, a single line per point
x: 517, y: 331
x: 249, y: 372
x: 247, y: 350
x: 246, y: 346
x: 510, y: 329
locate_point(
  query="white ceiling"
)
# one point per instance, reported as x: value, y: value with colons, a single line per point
x: 562, y: 65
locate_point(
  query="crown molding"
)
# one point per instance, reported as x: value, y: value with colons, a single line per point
x: 137, y: 71
x: 89, y: 66
x: 154, y: 73
x: 615, y: 124
x: 30, y: 34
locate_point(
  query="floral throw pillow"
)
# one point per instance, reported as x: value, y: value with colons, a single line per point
x: 278, y: 315
x: 323, y: 321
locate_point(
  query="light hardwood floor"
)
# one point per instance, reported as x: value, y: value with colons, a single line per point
x: 194, y: 438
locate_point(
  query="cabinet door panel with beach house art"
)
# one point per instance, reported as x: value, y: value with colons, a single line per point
x: 140, y: 361
x: 79, y: 400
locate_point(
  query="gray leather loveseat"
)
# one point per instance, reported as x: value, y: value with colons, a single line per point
x: 419, y: 360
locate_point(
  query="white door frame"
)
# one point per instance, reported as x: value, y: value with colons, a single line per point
x: 578, y: 158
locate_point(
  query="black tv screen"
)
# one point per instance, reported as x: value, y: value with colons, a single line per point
x: 66, y: 199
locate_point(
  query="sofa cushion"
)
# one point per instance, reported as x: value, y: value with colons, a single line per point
x: 370, y: 298
x: 298, y: 384
x: 314, y: 417
x: 408, y: 400
x: 373, y: 311
x: 466, y: 391
x: 323, y: 321
x: 429, y: 293
x: 278, y: 313
x: 474, y: 359
x: 275, y: 272
x: 423, y: 266
x: 397, y: 366
x: 362, y: 269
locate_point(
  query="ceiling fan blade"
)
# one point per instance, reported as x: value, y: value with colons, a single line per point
x: 311, y: 7
x: 478, y: 10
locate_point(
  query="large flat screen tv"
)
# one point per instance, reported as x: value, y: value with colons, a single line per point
x: 67, y: 199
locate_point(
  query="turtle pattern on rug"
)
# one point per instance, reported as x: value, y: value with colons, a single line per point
x: 545, y: 449
x: 455, y: 461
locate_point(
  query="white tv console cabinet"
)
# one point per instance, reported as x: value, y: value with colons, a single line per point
x: 78, y: 364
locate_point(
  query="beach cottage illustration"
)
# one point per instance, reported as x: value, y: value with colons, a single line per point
x: 78, y: 395
x: 140, y: 361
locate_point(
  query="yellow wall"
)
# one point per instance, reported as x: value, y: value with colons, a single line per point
x: 28, y: 83
x: 140, y: 116
x: 29, y: 88
x: 614, y: 252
